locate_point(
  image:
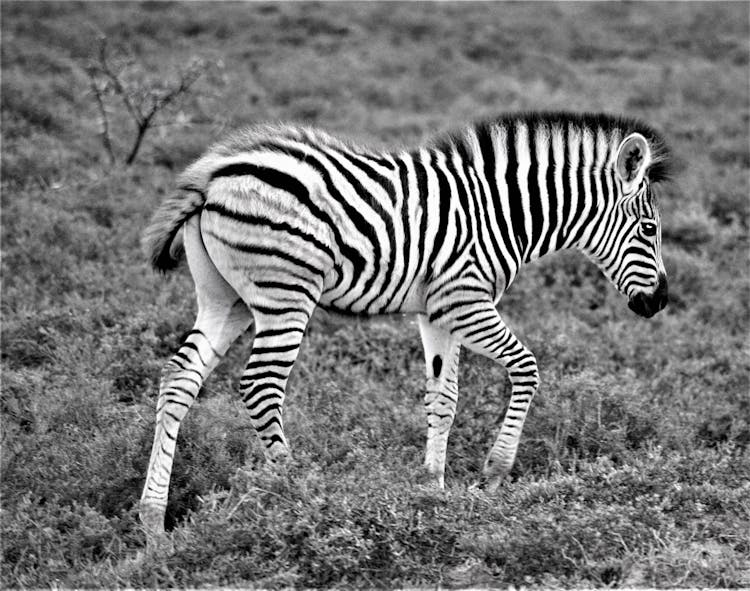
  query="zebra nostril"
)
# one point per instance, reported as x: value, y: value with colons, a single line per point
x: 661, y: 285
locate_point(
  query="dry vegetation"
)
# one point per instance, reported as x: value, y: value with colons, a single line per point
x: 634, y: 468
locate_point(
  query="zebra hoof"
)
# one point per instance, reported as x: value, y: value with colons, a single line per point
x: 152, y: 517
x: 491, y: 482
x: 429, y: 478
x: 279, y: 457
x: 159, y: 546
x: 491, y: 485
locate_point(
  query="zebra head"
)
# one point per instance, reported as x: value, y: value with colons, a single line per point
x: 630, y: 255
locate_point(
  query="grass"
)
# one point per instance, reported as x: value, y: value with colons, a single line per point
x: 634, y: 467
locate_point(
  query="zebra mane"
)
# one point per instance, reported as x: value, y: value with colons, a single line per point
x: 662, y: 163
x: 660, y: 169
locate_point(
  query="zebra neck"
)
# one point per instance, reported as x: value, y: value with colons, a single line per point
x: 522, y: 195
x: 574, y: 218
x: 549, y: 190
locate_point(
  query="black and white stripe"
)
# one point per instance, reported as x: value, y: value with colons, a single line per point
x: 284, y: 219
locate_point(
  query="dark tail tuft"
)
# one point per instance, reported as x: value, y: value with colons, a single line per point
x: 159, y: 238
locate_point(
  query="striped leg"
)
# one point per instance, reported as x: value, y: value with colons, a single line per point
x: 441, y: 357
x: 478, y: 326
x: 222, y: 317
x: 263, y: 383
x: 280, y: 278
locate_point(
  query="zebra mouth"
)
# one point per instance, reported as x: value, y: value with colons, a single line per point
x: 647, y: 305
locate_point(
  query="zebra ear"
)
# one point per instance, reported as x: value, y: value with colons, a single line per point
x: 633, y: 159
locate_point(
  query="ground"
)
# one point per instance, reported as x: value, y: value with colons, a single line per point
x: 634, y: 467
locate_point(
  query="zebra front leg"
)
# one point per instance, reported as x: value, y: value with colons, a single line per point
x: 524, y: 379
x: 441, y: 359
x: 478, y: 326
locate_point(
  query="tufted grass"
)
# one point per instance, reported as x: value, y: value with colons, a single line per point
x: 633, y: 469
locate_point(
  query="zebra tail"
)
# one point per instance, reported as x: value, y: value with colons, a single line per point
x: 160, y: 240
x: 159, y: 244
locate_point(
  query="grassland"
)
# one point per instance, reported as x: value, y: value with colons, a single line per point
x: 634, y: 469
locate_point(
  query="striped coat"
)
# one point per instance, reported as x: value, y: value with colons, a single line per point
x: 280, y: 219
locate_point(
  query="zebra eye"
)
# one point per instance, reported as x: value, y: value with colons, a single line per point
x: 649, y: 228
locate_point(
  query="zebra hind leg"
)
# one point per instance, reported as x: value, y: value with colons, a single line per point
x: 263, y: 383
x: 280, y: 278
x: 441, y: 358
x: 222, y: 317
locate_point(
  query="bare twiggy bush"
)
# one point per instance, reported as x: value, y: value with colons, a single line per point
x: 120, y: 77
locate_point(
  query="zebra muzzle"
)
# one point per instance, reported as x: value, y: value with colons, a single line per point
x: 647, y: 305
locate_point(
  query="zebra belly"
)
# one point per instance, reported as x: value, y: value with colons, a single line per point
x: 353, y: 303
x: 391, y: 286
x: 378, y: 268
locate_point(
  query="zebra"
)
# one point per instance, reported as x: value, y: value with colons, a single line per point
x: 276, y: 220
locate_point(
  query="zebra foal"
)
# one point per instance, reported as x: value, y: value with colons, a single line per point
x: 277, y: 220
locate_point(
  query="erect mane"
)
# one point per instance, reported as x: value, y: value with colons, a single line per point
x: 662, y: 160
